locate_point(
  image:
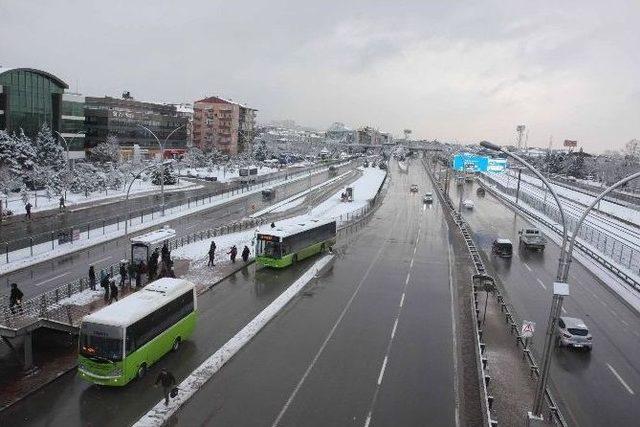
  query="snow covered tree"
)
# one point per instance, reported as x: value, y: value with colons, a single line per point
x: 195, y: 158
x: 48, y: 151
x: 632, y: 150
x: 108, y: 151
x: 85, y: 179
x: 170, y: 176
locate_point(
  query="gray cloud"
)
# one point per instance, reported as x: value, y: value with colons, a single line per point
x: 449, y: 70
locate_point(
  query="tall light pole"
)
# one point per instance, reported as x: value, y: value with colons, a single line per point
x: 560, y: 290
x: 161, y: 144
x: 66, y: 180
x: 126, y: 200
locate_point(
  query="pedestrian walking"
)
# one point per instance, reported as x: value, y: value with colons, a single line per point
x: 245, y: 254
x: 139, y: 275
x: 92, y: 278
x: 104, y: 283
x: 233, y: 252
x: 273, y: 225
x: 27, y: 208
x: 167, y: 381
x: 114, y: 291
x: 212, y: 253
x: 123, y: 273
x: 15, y: 299
x: 62, y: 206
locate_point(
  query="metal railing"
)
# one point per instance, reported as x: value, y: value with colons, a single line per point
x: 42, y: 243
x: 602, y: 247
x: 481, y: 360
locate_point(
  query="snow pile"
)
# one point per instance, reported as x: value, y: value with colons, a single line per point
x: 223, y: 173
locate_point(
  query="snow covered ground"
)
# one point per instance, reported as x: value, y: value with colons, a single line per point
x: 222, y: 174
x: 139, y: 188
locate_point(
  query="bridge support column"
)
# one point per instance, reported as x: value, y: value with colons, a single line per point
x: 28, y: 351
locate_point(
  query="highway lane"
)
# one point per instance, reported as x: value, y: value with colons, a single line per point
x: 594, y: 388
x: 51, y: 274
x: 368, y: 344
x: 69, y: 401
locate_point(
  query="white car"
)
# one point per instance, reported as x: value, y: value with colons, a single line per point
x: 468, y: 204
x: 572, y: 332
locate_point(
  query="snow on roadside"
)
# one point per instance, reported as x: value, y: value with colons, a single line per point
x: 222, y: 174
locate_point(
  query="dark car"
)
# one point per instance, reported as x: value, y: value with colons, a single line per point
x: 502, y: 248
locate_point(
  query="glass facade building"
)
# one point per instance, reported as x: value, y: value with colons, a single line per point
x: 122, y: 118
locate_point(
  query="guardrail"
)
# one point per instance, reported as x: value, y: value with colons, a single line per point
x: 610, y: 248
x: 481, y: 360
x: 43, y: 243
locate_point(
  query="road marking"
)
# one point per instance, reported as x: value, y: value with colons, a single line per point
x: 454, y: 329
x: 402, y: 300
x: 365, y: 276
x: 384, y: 366
x: 393, y: 331
x: 617, y: 375
x: 564, y: 311
x: 407, y: 279
x: 604, y: 303
x: 541, y: 284
x: 102, y: 259
x: 527, y: 266
x: 414, y: 249
x: 366, y: 423
x: 411, y: 265
x: 48, y: 280
x: 624, y: 322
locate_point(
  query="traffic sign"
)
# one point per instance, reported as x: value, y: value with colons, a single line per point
x: 528, y: 328
x: 467, y: 162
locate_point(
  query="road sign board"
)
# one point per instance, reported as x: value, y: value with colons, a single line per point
x: 528, y: 328
x: 467, y: 162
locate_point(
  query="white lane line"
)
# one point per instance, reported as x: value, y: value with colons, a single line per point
x: 617, y: 375
x: 407, y: 279
x: 366, y: 423
x: 393, y: 331
x: 624, y: 322
x: 541, y: 283
x: 527, y: 266
x: 564, y: 311
x: 102, y: 259
x: 384, y: 366
x: 411, y: 265
x: 604, y: 303
x: 402, y: 300
x: 48, y: 280
x: 414, y: 249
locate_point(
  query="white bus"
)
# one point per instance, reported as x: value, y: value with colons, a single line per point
x: 119, y: 342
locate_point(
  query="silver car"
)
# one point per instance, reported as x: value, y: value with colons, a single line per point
x: 572, y: 332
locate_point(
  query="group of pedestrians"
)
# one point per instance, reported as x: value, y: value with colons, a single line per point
x: 233, y: 253
x: 28, y: 206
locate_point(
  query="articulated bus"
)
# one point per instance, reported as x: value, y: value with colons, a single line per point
x: 121, y: 341
x: 286, y: 244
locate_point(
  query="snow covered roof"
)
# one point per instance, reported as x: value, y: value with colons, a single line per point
x: 50, y: 76
x: 154, y: 237
x: 290, y: 228
x: 136, y: 306
x: 220, y: 100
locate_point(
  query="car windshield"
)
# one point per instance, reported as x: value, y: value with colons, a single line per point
x: 102, y: 343
x: 578, y: 332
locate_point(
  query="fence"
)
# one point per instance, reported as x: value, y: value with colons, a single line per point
x: 43, y: 243
x: 481, y: 360
x: 594, y: 242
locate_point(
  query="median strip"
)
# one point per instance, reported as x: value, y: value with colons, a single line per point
x: 160, y: 413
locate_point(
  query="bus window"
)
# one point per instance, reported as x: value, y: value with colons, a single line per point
x: 101, y: 342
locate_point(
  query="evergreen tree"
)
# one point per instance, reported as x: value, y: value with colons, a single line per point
x: 170, y: 177
x: 108, y: 151
x: 24, y: 154
x: 48, y: 151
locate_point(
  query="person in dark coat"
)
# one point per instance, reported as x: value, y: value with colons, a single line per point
x: 92, y: 278
x: 139, y: 274
x: 15, y: 299
x: 153, y: 265
x: 114, y: 291
x: 212, y: 253
x: 27, y: 208
x: 62, y: 206
x: 166, y: 254
x: 233, y: 252
x: 245, y: 253
x: 273, y: 225
x: 167, y: 381
x: 104, y: 283
x: 123, y: 274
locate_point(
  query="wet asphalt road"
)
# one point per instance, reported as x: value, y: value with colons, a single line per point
x: 48, y: 275
x: 372, y: 339
x: 597, y: 388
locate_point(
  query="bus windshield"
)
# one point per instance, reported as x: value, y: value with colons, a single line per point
x: 101, y: 343
x: 268, y: 248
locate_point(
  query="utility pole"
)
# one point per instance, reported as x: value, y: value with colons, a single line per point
x: 518, y: 186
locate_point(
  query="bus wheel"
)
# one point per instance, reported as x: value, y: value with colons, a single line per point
x: 176, y: 344
x: 142, y: 371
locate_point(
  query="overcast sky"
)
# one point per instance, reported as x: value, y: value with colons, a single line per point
x: 452, y: 70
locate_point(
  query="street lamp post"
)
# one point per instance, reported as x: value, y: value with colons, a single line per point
x: 560, y: 289
x: 161, y: 144
x: 126, y: 200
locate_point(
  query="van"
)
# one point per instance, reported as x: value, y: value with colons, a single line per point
x: 502, y: 248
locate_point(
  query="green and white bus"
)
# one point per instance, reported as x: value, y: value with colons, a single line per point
x: 121, y: 341
x: 288, y: 243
